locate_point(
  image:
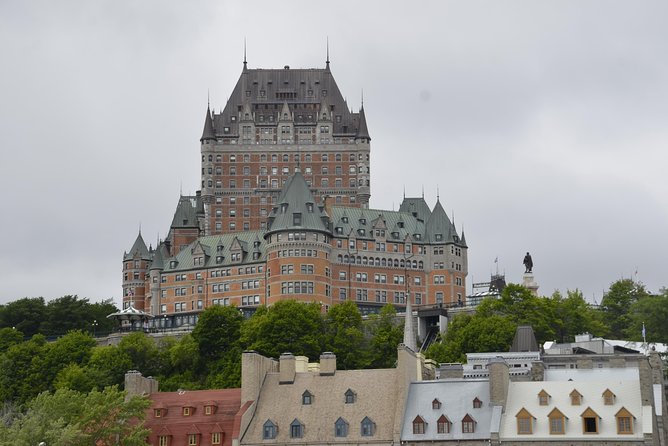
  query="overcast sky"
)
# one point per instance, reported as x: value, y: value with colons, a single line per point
x: 543, y: 124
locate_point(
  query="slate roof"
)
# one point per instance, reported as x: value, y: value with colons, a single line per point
x: 186, y: 212
x: 361, y: 221
x: 138, y: 248
x: 456, y: 398
x: 416, y: 207
x: 282, y: 403
x: 296, y: 198
x: 264, y: 91
x: 439, y: 223
x: 208, y: 132
x: 524, y: 340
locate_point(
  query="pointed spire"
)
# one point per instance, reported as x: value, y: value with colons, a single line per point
x: 462, y: 241
x: 245, y: 62
x: 438, y: 193
x: 409, y: 333
x: 208, y: 132
x: 327, y: 61
x: 363, y: 131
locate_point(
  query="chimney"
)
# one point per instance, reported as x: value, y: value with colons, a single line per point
x: 451, y: 370
x: 286, y: 368
x: 136, y: 384
x: 327, y: 364
x: 254, y: 367
x: 499, y: 379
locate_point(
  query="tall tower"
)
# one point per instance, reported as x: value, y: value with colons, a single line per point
x: 276, y: 121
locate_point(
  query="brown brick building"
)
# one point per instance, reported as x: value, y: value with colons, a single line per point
x: 288, y: 217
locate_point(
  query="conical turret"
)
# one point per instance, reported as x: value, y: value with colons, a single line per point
x: 138, y: 248
x: 362, y: 131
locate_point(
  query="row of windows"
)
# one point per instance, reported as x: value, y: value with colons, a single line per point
x: 193, y: 439
x: 590, y: 422
x: 296, y: 287
x: 444, y: 425
x: 298, y: 253
x: 378, y: 261
x: 303, y: 269
x: 275, y: 157
x: 297, y: 428
x: 380, y: 296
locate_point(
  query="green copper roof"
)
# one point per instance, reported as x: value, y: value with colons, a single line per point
x: 361, y: 222
x: 416, y: 207
x: 439, y: 229
x: 186, y: 212
x: 296, y: 209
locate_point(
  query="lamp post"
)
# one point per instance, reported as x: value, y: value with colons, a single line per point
x: 94, y: 324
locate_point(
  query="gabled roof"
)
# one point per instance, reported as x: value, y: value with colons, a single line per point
x: 296, y: 199
x: 138, y: 249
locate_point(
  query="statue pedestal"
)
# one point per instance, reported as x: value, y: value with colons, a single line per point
x: 529, y: 282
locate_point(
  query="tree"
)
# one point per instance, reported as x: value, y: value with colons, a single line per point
x: 286, y: 326
x: 107, y: 366
x: 143, y: 353
x: 386, y: 335
x: 345, y: 337
x: 75, y: 347
x: 26, y: 315
x: 218, y: 331
x: 652, y: 312
x: 616, y: 305
x: 21, y: 378
x: 70, y: 418
x: 573, y: 316
x: 8, y: 337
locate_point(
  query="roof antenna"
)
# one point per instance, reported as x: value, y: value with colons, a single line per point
x: 404, y: 191
x: 327, y: 61
x: 362, y: 97
x: 208, y: 98
x: 423, y: 191
x: 140, y: 228
x: 245, y: 53
x: 438, y: 193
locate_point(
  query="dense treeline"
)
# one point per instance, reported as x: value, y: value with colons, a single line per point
x: 621, y: 314
x: 209, y: 357
x: 32, y: 315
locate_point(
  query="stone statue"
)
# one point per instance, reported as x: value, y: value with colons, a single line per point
x: 528, y: 263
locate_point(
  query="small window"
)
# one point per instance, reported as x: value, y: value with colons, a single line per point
x: 524, y: 422
x: 477, y: 403
x: 608, y: 397
x: 186, y: 411
x: 418, y: 425
x: 589, y: 421
x: 543, y: 398
x: 341, y: 428
x: 436, y: 404
x: 215, y: 437
x: 468, y: 424
x: 443, y: 425
x: 157, y: 413
x: 576, y: 398
x: 350, y: 396
x: 296, y: 429
x: 307, y: 398
x: 367, y: 427
x: 624, y: 422
x: 208, y: 410
x: 269, y: 430
x: 192, y: 439
x: 557, y: 422
x: 163, y: 440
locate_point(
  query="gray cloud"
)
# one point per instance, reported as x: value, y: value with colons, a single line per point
x: 543, y: 125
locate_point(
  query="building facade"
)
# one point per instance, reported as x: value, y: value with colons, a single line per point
x: 283, y: 213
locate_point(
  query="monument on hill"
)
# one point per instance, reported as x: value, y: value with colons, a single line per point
x: 528, y: 280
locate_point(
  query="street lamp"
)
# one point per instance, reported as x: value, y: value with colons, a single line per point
x: 94, y: 324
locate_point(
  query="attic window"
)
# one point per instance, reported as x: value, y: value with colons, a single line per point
x: 339, y: 230
x: 436, y: 404
x: 524, y: 422
x: 226, y: 129
x: 309, y: 207
x: 219, y: 248
x: 173, y: 264
x: 443, y: 425
x: 543, y: 398
x: 362, y: 221
x: 438, y: 237
x: 307, y: 398
x: 418, y: 425
x: 344, y: 219
x: 297, y: 219
x: 624, y: 421
x: 477, y: 404
x: 556, y: 422
x: 349, y: 396
x: 468, y: 424
x: 608, y: 397
x: 576, y: 398
x: 589, y: 421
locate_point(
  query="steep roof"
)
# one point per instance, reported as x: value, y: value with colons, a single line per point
x: 138, y: 248
x: 416, y: 207
x: 159, y: 255
x: 208, y: 132
x: 361, y: 221
x: 362, y: 131
x: 296, y: 209
x: 524, y: 340
x: 456, y: 397
x: 439, y: 223
x: 266, y: 91
x: 185, y: 215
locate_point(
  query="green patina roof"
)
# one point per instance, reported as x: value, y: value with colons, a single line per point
x: 249, y: 241
x: 439, y: 223
x: 186, y: 212
x: 416, y: 207
x: 297, y: 199
x: 364, y: 220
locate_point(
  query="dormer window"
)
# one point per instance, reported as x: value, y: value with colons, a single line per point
x: 624, y: 422
x: 307, y: 398
x: 350, y: 396
x: 443, y: 425
x: 173, y: 263
x: 220, y: 248
x: 367, y: 427
x: 296, y: 429
x: 341, y: 428
x: 157, y: 413
x: 608, y: 397
x: 418, y: 425
x: 468, y: 424
x: 524, y: 422
x: 344, y: 219
x: 187, y: 411
x: 557, y: 422
x: 438, y: 237
x: 576, y: 398
x: 543, y: 398
x: 269, y: 430
x: 297, y: 219
x: 436, y: 404
x: 589, y: 421
x: 309, y: 207
x: 477, y: 403
x: 219, y: 259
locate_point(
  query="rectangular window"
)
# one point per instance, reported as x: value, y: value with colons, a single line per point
x: 215, y: 438
x: 192, y: 439
x: 624, y: 425
x: 556, y: 425
x: 468, y: 427
x: 524, y: 425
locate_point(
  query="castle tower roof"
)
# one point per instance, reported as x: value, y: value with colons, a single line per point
x: 186, y: 212
x: 138, y: 248
x: 296, y: 208
x: 362, y: 131
x: 208, y: 132
x: 438, y: 227
x: 417, y: 207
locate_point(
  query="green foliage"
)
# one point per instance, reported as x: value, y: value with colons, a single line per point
x: 217, y: 331
x: 9, y: 337
x: 70, y: 418
x: 26, y: 315
x: 143, y: 353
x: 386, y: 335
x: 573, y: 316
x: 286, y: 326
x: 345, y: 337
x: 21, y: 378
x: 653, y: 312
x: 107, y: 366
x: 617, y: 303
